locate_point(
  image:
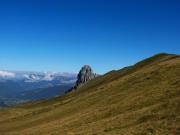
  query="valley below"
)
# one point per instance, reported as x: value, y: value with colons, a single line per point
x: 142, y: 99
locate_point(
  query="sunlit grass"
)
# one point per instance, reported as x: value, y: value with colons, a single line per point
x: 139, y: 100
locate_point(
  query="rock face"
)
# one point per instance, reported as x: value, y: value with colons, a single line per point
x: 85, y: 74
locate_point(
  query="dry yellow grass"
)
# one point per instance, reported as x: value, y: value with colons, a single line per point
x: 143, y: 99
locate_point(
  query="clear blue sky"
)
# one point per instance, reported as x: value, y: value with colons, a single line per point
x: 63, y: 35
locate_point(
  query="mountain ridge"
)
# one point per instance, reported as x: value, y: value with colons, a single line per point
x: 15, y: 84
x: 137, y: 100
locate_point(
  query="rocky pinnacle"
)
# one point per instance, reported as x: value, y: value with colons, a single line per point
x: 85, y: 74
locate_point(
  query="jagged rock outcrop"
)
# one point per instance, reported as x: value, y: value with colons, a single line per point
x: 85, y: 74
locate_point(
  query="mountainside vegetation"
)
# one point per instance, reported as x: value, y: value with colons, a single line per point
x: 143, y: 99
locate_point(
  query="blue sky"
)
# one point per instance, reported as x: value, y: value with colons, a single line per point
x: 63, y: 35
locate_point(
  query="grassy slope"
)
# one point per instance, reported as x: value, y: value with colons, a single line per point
x: 143, y: 99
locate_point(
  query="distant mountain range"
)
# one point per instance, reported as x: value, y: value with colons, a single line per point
x: 17, y: 86
x: 142, y: 99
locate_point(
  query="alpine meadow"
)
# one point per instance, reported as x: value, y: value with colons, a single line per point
x: 89, y: 67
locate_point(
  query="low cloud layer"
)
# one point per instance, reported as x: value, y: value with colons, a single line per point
x: 7, y: 74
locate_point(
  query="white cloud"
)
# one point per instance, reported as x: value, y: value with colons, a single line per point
x: 7, y: 74
x: 48, y: 76
x: 31, y: 77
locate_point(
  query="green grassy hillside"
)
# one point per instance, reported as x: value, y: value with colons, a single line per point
x: 143, y: 99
